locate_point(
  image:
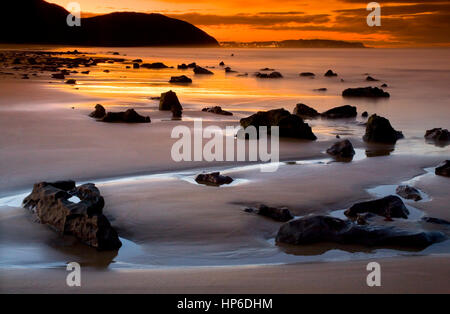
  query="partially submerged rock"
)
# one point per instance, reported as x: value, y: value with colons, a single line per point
x: 200, y: 70
x: 340, y: 112
x: 438, y: 135
x: 180, y: 79
x: 365, y: 114
x: 99, y: 112
x: 84, y: 219
x: 217, y: 110
x: 305, y: 111
x: 371, y: 79
x: 271, y: 75
x: 155, y: 65
x: 71, y: 82
x: 289, y: 125
x: 379, y: 129
x: 408, y: 192
x: 319, y: 228
x: 390, y: 207
x: 307, y: 74
x: 276, y: 213
x: 330, y: 73
x: 373, y: 92
x: 342, y: 149
x: 169, y: 101
x: 128, y: 116
x: 443, y: 169
x: 214, y: 179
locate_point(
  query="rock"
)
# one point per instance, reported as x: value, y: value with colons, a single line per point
x: 390, y: 206
x: 99, y: 112
x: 340, y: 112
x: 373, y: 92
x: 408, y: 192
x: 169, y: 101
x: 371, y: 79
x: 330, y: 73
x: 384, y: 85
x: 289, y: 125
x: 305, y: 111
x: 182, y: 66
x: 229, y: 70
x: 307, y: 74
x: 279, y: 214
x: 222, y: 63
x: 71, y: 82
x: 323, y: 89
x: 180, y: 79
x: 200, y: 70
x: 137, y: 60
x: 84, y: 219
x: 271, y: 75
x: 319, y: 228
x: 443, y: 169
x: 379, y: 129
x: 436, y: 221
x: 342, y: 149
x: 128, y: 116
x: 217, y: 110
x: 85, y: 72
x: 214, y: 179
x: 438, y: 135
x: 365, y: 114
x: 267, y: 69
x: 155, y: 65
x: 59, y: 76
x: 136, y: 65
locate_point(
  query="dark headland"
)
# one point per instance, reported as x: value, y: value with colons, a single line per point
x: 39, y: 22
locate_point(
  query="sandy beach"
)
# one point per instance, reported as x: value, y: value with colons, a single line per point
x: 180, y: 236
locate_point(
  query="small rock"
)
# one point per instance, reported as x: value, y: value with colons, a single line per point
x: 129, y: 116
x: 340, y: 112
x: 99, y: 112
x: 330, y: 73
x: 271, y: 75
x: 305, y: 111
x: 200, y: 70
x: 372, y: 92
x: 155, y: 65
x: 71, y: 82
x: 214, y: 179
x: 365, y: 114
x: 443, y: 169
x: 180, y: 79
x: 371, y: 79
x: 217, y: 110
x: 307, y: 74
x: 389, y: 206
x: 437, y: 221
x: 408, y: 192
x: 279, y: 214
x: 342, y: 149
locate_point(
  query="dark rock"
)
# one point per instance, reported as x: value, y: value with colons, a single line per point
x: 59, y: 76
x: 137, y: 60
x: 155, y: 65
x: 323, y: 89
x: 85, y: 72
x: 267, y: 69
x: 99, y: 112
x: 84, y: 219
x: 128, y: 116
x: 71, y: 82
x: 365, y: 114
x: 213, y: 179
x: 390, y: 206
x: 200, y: 70
x: 136, y: 66
x: 229, y: 70
x: 438, y: 135
x: 443, y: 169
x: 289, y: 125
x: 182, y: 66
x: 318, y: 228
x: 271, y: 75
x: 330, y: 73
x: 222, y: 63
x: 180, y: 79
x: 169, y: 101
x: 279, y: 214
x: 217, y: 110
x: 408, y: 192
x: 307, y: 74
x: 365, y: 92
x: 340, y: 112
x: 379, y: 129
x: 371, y: 79
x: 305, y: 111
x: 437, y: 221
x: 384, y: 85
x: 342, y: 149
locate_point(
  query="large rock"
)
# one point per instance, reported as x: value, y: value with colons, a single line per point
x: 155, y: 65
x: 213, y: 179
x: 379, y: 129
x: 318, y: 228
x: 408, y: 192
x: 183, y: 79
x: 289, y: 125
x: 305, y: 111
x: 217, y: 110
x: 342, y: 149
x: 200, y: 70
x: 365, y: 92
x: 52, y: 204
x: 99, y: 112
x: 341, y: 112
x: 443, y: 169
x: 277, y: 213
x: 438, y: 135
x: 169, y: 101
x: 390, y: 207
x: 128, y: 116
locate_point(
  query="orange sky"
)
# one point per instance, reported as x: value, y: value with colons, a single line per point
x: 404, y: 22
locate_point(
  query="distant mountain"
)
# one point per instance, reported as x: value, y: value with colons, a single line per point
x: 39, y: 22
x: 299, y: 43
